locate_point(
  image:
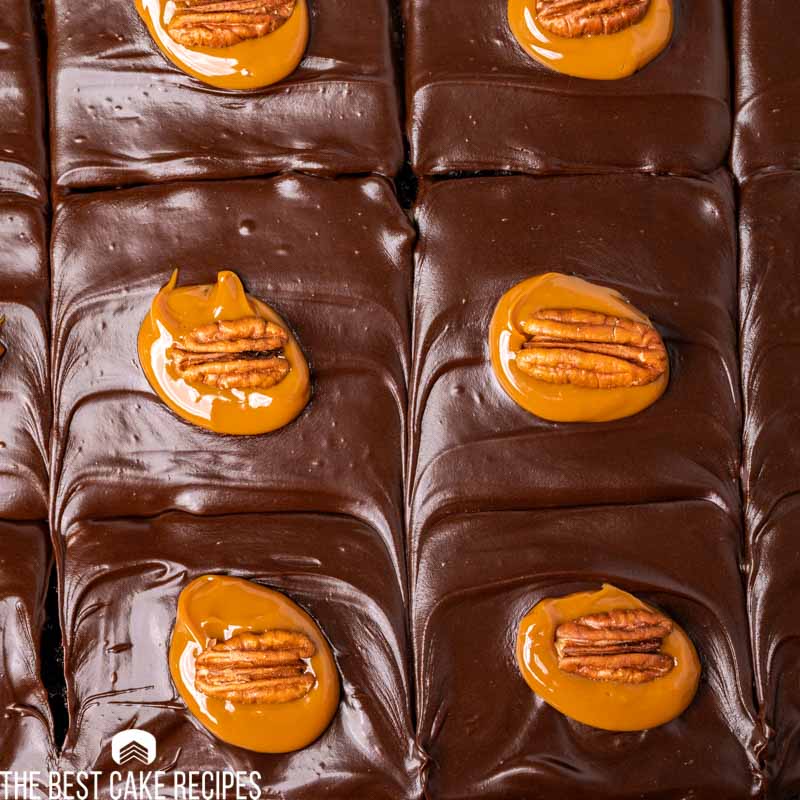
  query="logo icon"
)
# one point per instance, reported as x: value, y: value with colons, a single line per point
x: 133, y: 745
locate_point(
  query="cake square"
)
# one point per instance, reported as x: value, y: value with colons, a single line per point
x: 123, y: 114
x: 479, y: 102
x: 26, y: 743
x: 121, y: 585
x: 669, y: 246
x: 767, y: 123
x: 23, y: 159
x: 24, y: 366
x: 332, y: 257
x: 480, y: 574
x: 770, y: 314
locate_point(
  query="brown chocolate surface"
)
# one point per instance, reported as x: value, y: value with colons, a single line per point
x: 479, y: 102
x: 489, y: 736
x: 669, y: 246
x: 121, y: 584
x: 24, y: 378
x: 26, y: 728
x: 123, y: 114
x: 767, y: 122
x: 332, y: 258
x: 23, y: 159
x: 770, y: 329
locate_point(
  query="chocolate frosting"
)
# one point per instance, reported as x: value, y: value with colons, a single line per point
x: 770, y: 314
x: 479, y: 102
x: 333, y: 258
x: 123, y: 114
x: 488, y: 735
x: 24, y: 378
x: 669, y: 246
x: 26, y: 730
x: 767, y: 126
x: 23, y: 160
x: 121, y: 582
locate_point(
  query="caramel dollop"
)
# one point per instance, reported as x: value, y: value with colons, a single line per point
x: 584, y: 49
x: 571, y: 351
x: 223, y: 360
x: 252, y: 666
x: 230, y: 44
x: 637, y: 675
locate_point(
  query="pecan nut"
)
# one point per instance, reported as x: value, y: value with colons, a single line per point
x: 223, y: 23
x: 575, y: 18
x: 591, y: 350
x: 622, y: 646
x: 256, y: 668
x: 245, y: 353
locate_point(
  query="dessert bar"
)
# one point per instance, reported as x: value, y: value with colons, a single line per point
x: 479, y: 101
x: 666, y: 244
x: 478, y: 574
x: 770, y: 320
x: 23, y: 157
x: 121, y: 583
x: 332, y: 257
x: 122, y: 113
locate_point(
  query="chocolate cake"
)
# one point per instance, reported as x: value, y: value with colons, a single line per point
x: 770, y: 333
x: 23, y: 158
x: 472, y: 448
x: 767, y: 120
x: 479, y: 573
x: 122, y: 114
x: 25, y: 733
x: 477, y: 101
x: 121, y: 584
x: 337, y: 464
x: 333, y: 257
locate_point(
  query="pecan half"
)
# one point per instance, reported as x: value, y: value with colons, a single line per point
x: 622, y: 646
x: 575, y: 18
x: 223, y: 23
x: 264, y: 668
x: 245, y: 353
x: 592, y: 350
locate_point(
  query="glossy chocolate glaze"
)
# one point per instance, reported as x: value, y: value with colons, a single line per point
x: 770, y: 319
x: 24, y: 379
x: 333, y: 258
x: 25, y: 560
x: 25, y: 724
x: 478, y: 101
x: 121, y: 581
x: 669, y: 245
x: 122, y: 113
x: 489, y: 736
x: 23, y: 160
x: 767, y: 123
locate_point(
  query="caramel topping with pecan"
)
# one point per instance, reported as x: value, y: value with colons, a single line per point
x: 223, y: 23
x: 575, y: 18
x: 591, y: 350
x: 622, y: 646
x: 245, y: 353
x: 264, y: 668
